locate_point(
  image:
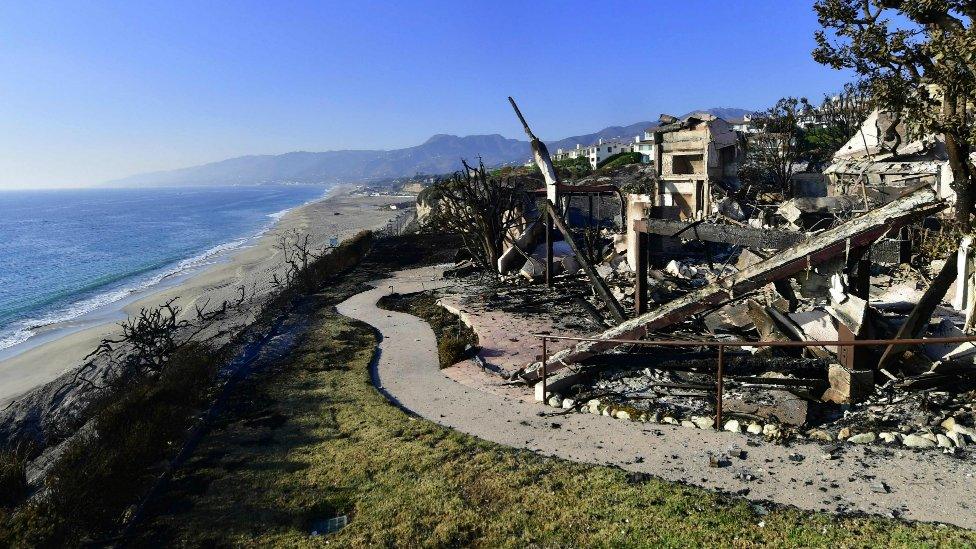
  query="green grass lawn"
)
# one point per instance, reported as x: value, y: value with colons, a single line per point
x: 311, y: 439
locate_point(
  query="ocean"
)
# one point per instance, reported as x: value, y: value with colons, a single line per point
x: 66, y: 253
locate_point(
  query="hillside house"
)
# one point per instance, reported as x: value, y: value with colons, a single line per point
x: 595, y: 153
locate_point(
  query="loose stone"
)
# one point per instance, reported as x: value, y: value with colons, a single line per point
x: 916, y: 441
x: 861, y: 438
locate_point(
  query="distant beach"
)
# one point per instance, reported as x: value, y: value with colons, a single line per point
x: 60, y: 346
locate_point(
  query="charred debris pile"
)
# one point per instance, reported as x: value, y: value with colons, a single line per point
x: 672, y: 251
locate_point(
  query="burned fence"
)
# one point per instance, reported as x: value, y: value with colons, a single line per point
x: 841, y: 240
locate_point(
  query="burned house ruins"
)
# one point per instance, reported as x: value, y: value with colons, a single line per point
x: 785, y: 319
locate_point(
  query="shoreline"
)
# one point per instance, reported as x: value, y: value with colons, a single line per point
x: 61, y: 346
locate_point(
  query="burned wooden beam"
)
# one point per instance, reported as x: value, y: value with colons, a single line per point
x: 860, y: 231
x: 540, y: 153
x: 749, y: 237
x: 541, y: 156
x: 921, y: 313
x: 601, y: 287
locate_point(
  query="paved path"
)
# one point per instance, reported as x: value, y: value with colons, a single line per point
x: 923, y: 486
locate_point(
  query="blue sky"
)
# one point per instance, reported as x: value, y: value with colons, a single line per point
x: 93, y: 91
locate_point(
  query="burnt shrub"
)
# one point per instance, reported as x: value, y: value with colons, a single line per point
x: 102, y: 472
x: 13, y: 477
x: 450, y: 349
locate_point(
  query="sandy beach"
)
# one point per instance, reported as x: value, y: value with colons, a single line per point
x: 340, y: 214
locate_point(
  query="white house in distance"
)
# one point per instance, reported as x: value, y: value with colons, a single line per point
x: 644, y: 144
x: 743, y: 125
x: 595, y: 153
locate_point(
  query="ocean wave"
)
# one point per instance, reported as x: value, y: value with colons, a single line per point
x: 23, y: 330
x: 278, y: 215
x: 135, y: 282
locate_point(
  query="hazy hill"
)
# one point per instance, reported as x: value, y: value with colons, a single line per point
x: 439, y: 154
x: 728, y: 113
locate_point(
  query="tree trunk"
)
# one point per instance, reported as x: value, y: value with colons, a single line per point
x: 958, y: 149
x: 962, y: 180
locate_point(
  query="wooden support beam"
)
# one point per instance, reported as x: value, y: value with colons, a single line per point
x: 541, y: 156
x: 922, y: 312
x: 860, y: 231
x: 749, y: 237
x: 601, y: 288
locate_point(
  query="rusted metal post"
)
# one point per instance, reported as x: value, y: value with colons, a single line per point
x: 549, y: 267
x: 719, y: 388
x: 545, y: 359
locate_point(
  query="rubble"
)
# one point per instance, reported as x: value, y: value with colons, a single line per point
x: 713, y: 269
x: 859, y: 231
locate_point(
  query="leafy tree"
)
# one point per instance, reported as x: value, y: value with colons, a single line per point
x: 835, y: 121
x: 772, y: 152
x: 918, y: 57
x: 574, y: 167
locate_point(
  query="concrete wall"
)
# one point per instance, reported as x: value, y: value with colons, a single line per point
x: 638, y: 206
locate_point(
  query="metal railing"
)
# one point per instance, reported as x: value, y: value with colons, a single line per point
x: 721, y: 345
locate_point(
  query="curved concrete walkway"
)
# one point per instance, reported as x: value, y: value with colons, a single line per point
x: 916, y: 485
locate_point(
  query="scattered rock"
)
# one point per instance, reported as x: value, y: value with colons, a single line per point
x: 957, y: 439
x: 844, y: 433
x: 670, y: 420
x: 916, y: 441
x: 718, y: 461
x: 965, y: 431
x: 943, y: 441
x: 703, y: 422
x: 686, y: 423
x: 746, y: 476
x: 568, y: 403
x: 754, y: 428
x: 880, y: 488
x: 770, y: 430
x: 888, y: 437
x: 736, y: 452
x: 555, y: 401
x: 821, y: 435
x: 622, y: 414
x: 733, y: 426
x: 862, y: 438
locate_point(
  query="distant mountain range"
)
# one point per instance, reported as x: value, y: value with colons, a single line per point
x: 439, y: 154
